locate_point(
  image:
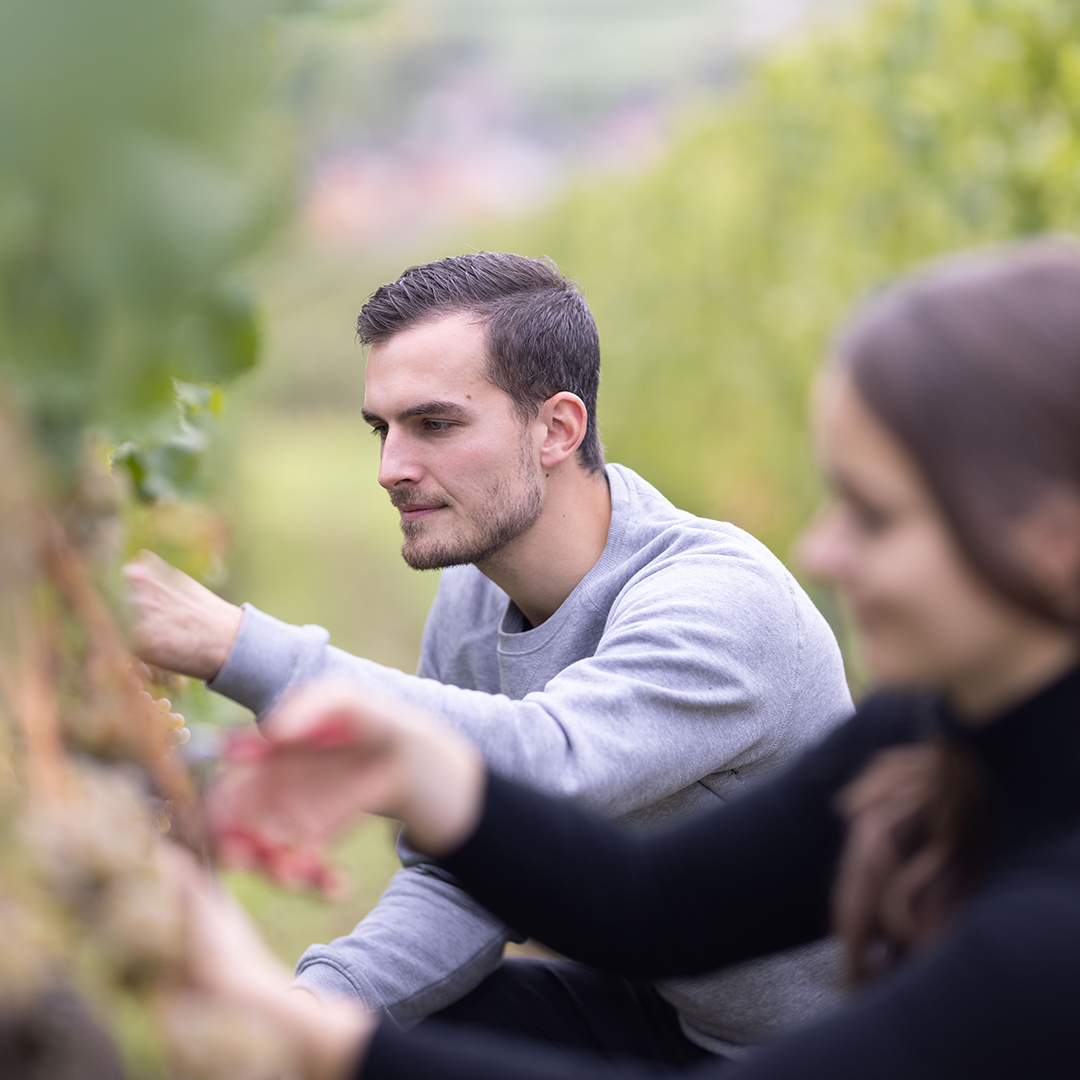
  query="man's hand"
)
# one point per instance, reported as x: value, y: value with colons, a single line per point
x: 179, y: 625
x: 332, y: 752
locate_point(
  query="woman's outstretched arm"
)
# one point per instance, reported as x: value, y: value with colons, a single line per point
x: 746, y: 879
x: 737, y: 882
x: 993, y: 1000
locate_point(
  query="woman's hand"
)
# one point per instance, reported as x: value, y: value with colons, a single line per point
x: 330, y: 753
x: 230, y: 972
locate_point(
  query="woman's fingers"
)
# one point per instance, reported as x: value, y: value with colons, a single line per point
x: 275, y: 808
x: 333, y: 751
x: 235, y: 988
x: 331, y: 713
x: 224, y: 951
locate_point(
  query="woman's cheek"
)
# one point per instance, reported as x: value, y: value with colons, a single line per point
x: 895, y: 647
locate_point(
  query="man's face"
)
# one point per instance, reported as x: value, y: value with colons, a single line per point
x: 458, y: 463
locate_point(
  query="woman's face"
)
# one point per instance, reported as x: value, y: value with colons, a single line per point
x: 924, y: 619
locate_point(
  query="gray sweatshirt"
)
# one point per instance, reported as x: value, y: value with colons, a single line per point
x: 685, y: 665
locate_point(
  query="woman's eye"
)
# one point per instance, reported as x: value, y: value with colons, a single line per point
x: 869, y: 519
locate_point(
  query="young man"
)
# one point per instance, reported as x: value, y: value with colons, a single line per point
x: 589, y: 637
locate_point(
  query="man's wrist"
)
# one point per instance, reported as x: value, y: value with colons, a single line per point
x: 227, y: 621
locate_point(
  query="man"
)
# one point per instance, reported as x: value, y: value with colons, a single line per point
x: 591, y: 639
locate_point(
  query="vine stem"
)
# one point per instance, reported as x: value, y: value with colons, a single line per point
x: 31, y: 693
x: 110, y: 662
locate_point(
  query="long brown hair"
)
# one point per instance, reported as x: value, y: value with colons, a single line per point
x: 974, y: 366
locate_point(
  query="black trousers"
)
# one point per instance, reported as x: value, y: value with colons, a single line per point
x: 569, y: 1005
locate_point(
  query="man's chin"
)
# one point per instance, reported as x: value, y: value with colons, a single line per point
x: 428, y: 557
x: 483, y: 542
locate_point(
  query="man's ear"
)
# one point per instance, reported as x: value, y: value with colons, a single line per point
x: 565, y: 420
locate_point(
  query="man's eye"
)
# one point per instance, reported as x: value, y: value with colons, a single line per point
x: 436, y: 425
x: 380, y: 431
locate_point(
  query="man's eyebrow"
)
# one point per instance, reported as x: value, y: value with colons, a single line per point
x: 425, y: 408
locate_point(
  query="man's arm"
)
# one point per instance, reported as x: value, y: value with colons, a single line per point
x: 178, y: 624
x: 697, y: 671
x: 700, y: 669
x: 425, y: 945
x: 707, y: 663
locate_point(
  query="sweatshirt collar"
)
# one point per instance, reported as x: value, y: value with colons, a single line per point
x: 512, y: 630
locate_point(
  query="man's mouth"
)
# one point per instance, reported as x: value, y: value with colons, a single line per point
x: 416, y: 513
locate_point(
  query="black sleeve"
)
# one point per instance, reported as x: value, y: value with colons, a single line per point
x: 996, y: 1000
x: 465, y: 1052
x: 744, y: 880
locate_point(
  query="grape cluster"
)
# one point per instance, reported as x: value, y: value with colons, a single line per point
x: 176, y: 733
x: 91, y: 907
x: 95, y: 852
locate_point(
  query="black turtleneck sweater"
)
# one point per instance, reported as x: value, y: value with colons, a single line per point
x: 998, y: 996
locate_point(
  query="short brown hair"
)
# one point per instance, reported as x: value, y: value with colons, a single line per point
x: 542, y: 337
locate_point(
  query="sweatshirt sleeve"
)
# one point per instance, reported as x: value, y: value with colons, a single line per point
x: 742, y: 880
x: 703, y: 667
x: 425, y: 945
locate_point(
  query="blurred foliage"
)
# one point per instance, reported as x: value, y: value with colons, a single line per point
x: 911, y: 128
x: 167, y: 467
x: 138, y: 168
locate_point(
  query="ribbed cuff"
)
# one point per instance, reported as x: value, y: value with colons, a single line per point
x: 263, y: 659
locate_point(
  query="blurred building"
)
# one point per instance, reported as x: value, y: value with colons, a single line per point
x: 432, y: 112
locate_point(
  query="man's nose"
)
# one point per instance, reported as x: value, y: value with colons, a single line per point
x: 398, y: 461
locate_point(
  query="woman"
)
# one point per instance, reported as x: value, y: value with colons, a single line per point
x: 938, y: 831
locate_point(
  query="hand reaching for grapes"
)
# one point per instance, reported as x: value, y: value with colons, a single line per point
x: 178, y: 624
x: 331, y: 753
x: 232, y: 985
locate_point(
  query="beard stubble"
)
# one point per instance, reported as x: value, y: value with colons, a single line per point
x: 507, y: 512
